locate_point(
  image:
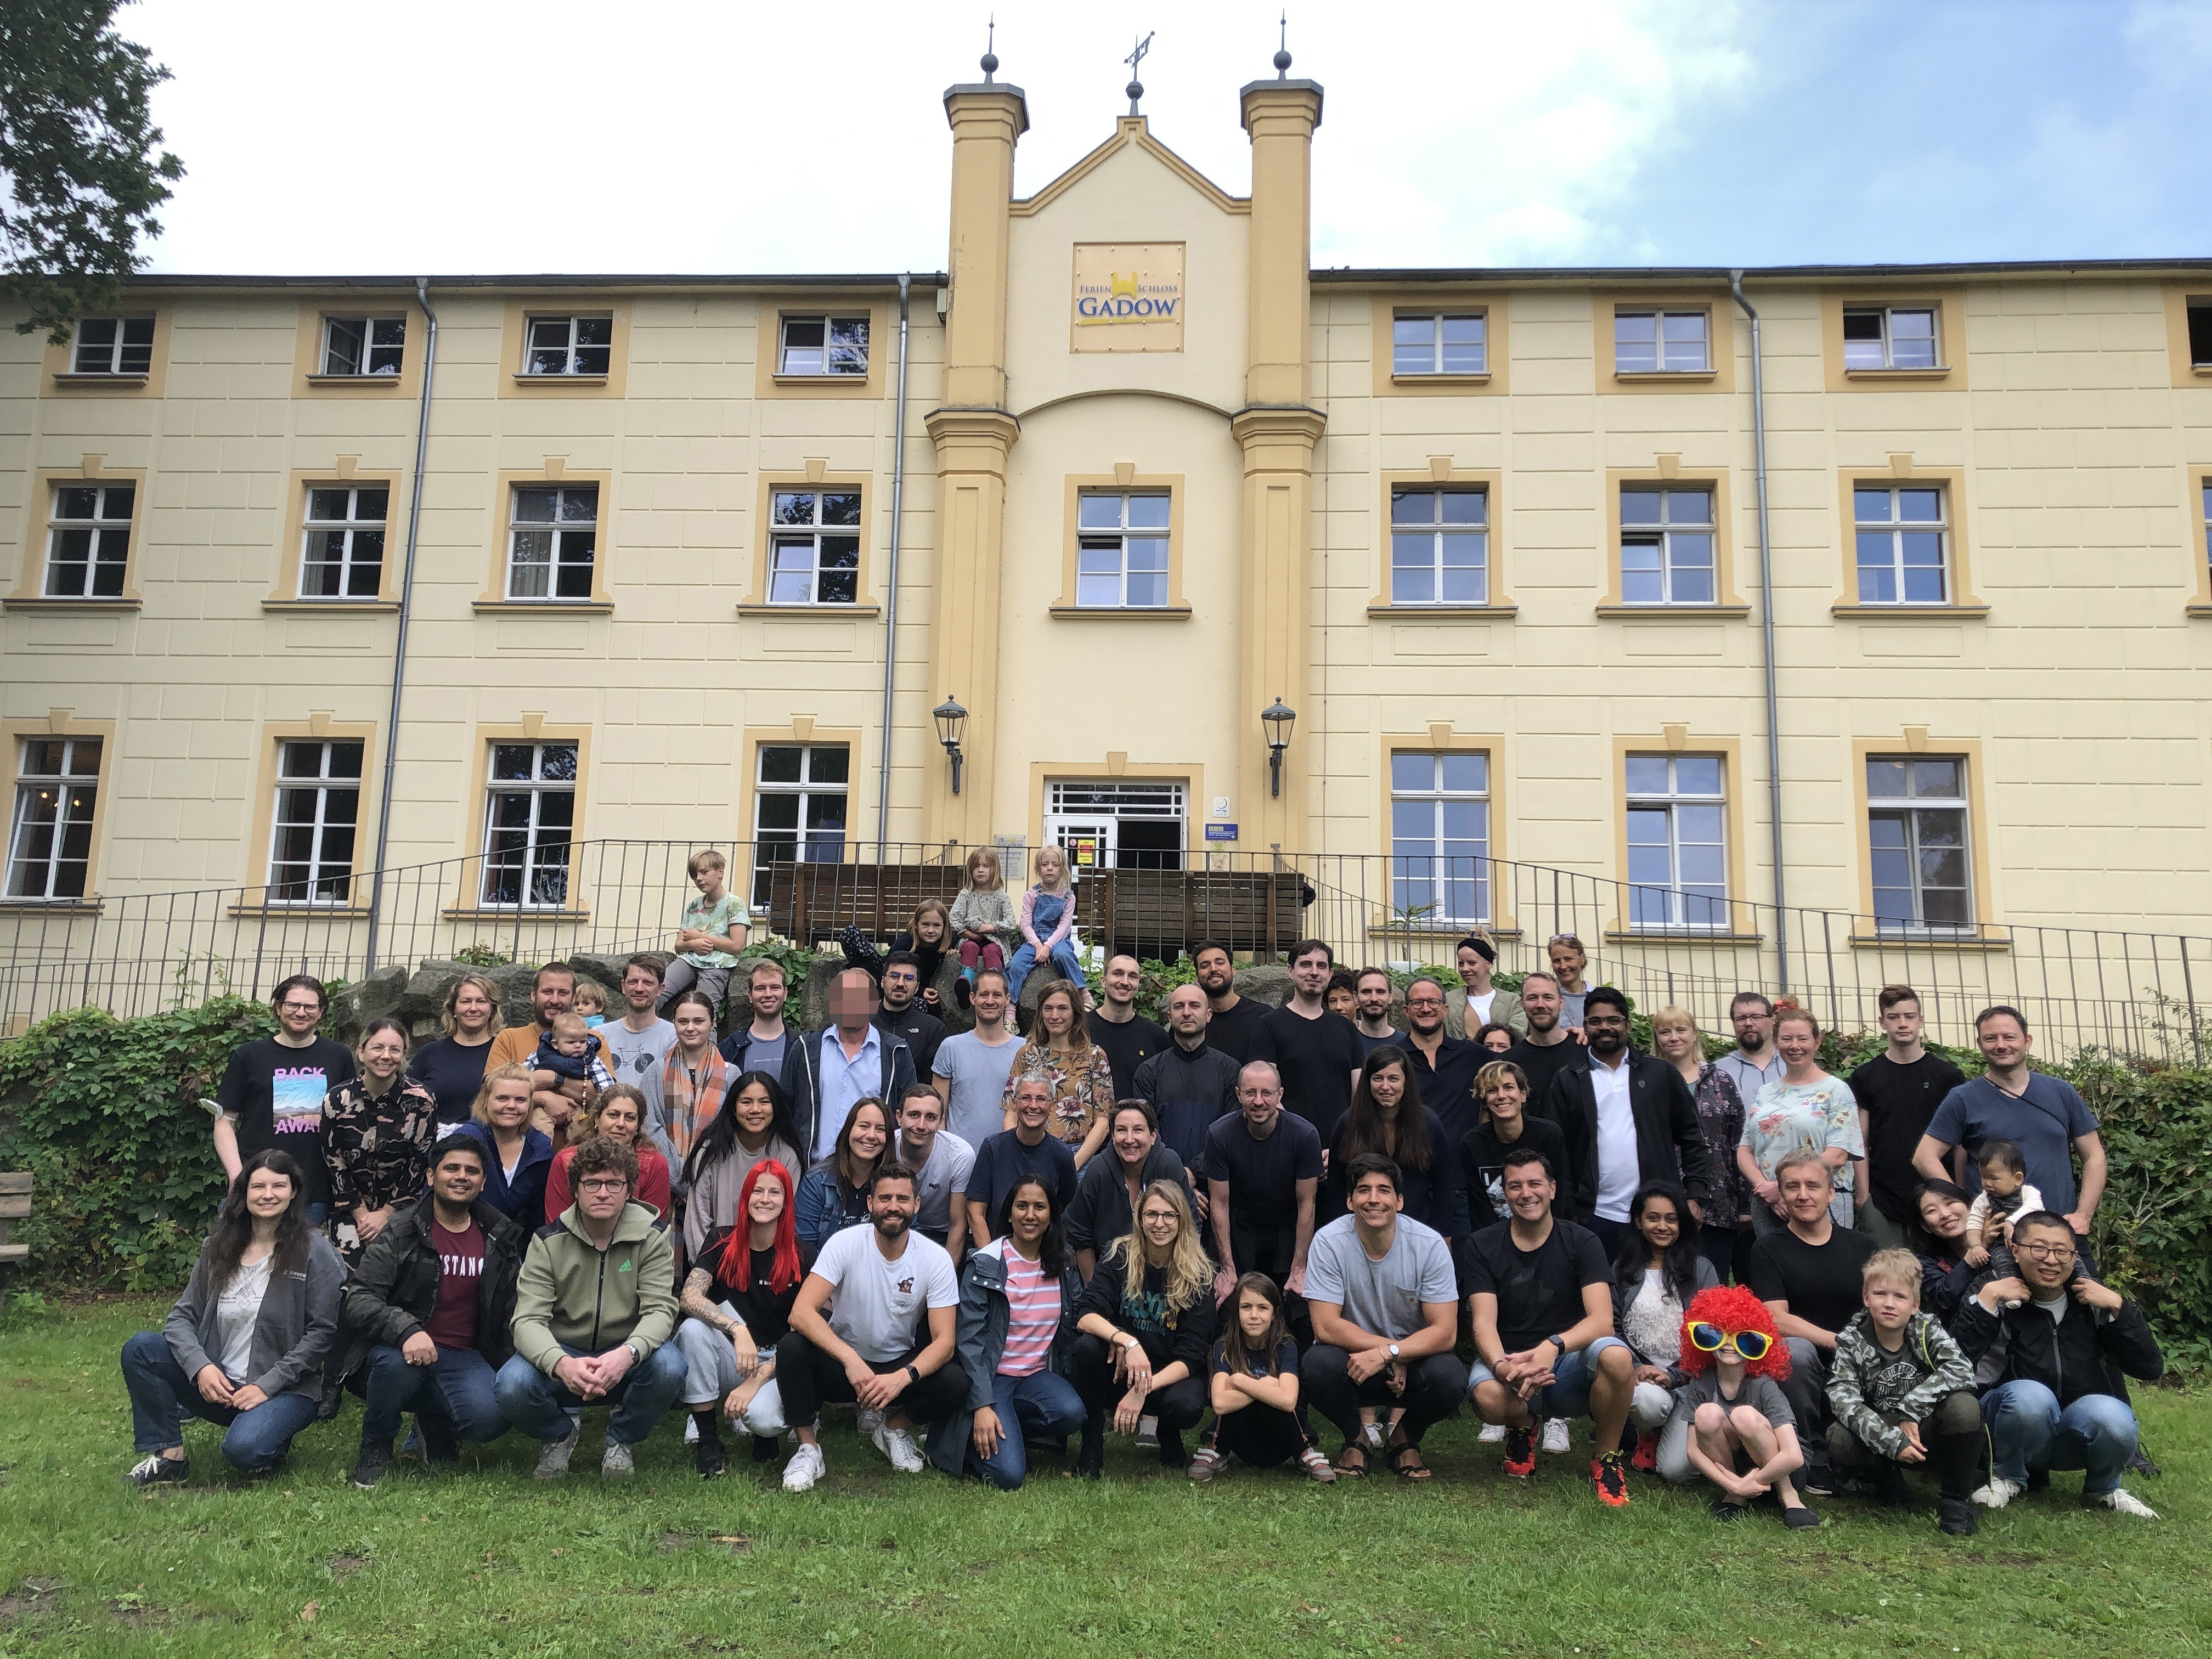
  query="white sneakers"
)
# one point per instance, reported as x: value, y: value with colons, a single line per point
x: 806, y: 1467
x: 1491, y: 1433
x: 867, y: 1422
x: 616, y: 1462
x: 553, y: 1459
x: 1999, y: 1492
x: 897, y: 1445
x: 2119, y: 1501
x: 1555, y: 1436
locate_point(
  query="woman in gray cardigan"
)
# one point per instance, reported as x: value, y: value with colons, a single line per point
x: 245, y: 1345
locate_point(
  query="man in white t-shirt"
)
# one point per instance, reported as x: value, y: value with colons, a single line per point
x: 940, y: 1161
x: 969, y: 1070
x: 856, y: 1329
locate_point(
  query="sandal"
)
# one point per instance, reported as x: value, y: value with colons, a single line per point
x: 1405, y: 1458
x: 1351, y: 1461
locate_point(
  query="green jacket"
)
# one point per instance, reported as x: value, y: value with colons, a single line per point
x: 1871, y: 1390
x: 574, y: 1295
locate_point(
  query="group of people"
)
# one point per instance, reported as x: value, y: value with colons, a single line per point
x: 1742, y: 1271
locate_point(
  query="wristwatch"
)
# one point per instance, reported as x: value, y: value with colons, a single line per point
x: 1393, y: 1350
x: 914, y: 1372
x: 1558, y: 1341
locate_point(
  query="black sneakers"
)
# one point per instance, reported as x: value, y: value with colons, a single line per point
x: 1957, y: 1518
x: 376, y: 1458
x: 156, y: 1470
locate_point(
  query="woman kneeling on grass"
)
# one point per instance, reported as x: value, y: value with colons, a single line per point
x: 1256, y: 1390
x: 245, y: 1345
x: 1147, y: 1323
x: 737, y: 1306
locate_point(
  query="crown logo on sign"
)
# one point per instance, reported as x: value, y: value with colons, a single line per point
x: 1118, y: 285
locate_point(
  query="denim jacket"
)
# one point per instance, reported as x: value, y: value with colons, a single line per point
x: 981, y: 1341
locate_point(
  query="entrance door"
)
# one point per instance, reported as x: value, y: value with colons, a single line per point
x: 1117, y: 826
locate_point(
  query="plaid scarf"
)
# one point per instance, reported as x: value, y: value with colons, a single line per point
x: 688, y: 1108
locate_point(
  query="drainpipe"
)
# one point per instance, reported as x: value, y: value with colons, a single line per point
x: 406, y: 607
x: 892, y: 596
x: 1766, y: 629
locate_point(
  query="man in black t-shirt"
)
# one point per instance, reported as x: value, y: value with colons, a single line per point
x: 1318, y: 1054
x: 271, y: 1092
x: 1810, y: 1275
x: 1898, y: 1092
x: 1236, y: 1019
x: 1262, y: 1170
x: 1540, y: 1293
x: 1128, y: 1038
x: 1014, y: 1155
x: 1548, y: 1049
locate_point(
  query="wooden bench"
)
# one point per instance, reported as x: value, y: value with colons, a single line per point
x: 15, y: 1188
x: 1147, y: 913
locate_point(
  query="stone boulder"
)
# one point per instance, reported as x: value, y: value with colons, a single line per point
x: 1267, y: 984
x: 372, y: 997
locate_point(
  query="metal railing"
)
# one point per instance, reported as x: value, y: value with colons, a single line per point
x: 2128, y: 991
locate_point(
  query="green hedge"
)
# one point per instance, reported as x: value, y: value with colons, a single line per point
x: 105, y: 1113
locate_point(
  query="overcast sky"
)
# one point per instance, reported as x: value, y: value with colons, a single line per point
x: 453, y: 137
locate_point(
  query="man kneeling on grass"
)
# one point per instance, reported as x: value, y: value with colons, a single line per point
x: 594, y: 1310
x: 1542, y: 1301
x: 1895, y: 1370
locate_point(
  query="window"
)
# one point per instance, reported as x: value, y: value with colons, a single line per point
x: 530, y: 810
x: 1121, y: 551
x: 1666, y: 546
x: 88, y: 544
x: 1875, y: 337
x: 568, y: 345
x: 2200, y: 334
x: 1660, y: 342
x: 1917, y: 827
x: 363, y: 345
x: 814, y: 547
x: 1446, y: 343
x: 1900, y: 534
x: 1677, y: 841
x: 552, y: 543
x: 1439, y: 547
x: 1440, y: 837
x: 799, y: 809
x: 114, y: 345
x: 317, y: 807
x: 342, y: 555
x: 823, y: 345
x: 50, y: 848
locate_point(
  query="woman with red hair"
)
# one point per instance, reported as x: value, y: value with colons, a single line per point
x: 736, y: 1302
x: 1731, y: 1422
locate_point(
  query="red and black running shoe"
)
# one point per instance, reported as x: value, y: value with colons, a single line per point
x: 1521, y: 1453
x: 1609, y: 1474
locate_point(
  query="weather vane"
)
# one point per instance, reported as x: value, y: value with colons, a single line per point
x: 990, y: 50
x: 1135, y: 60
x: 1283, y: 49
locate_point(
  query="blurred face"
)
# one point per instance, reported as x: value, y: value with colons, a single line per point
x: 1122, y: 981
x: 989, y: 1000
x: 929, y: 929
x: 1795, y: 1042
x: 554, y: 994
x: 509, y: 1105
x: 871, y: 1134
x: 1375, y: 1200
x: 852, y: 1001
x: 1386, y: 1084
x: 1160, y: 1223
x: 457, y: 1180
x: 1031, y: 1214
x: 890, y: 1205
x: 1944, y: 1217
x: 471, y: 1009
x: 1215, y: 973
x: 1659, y: 1223
x: 921, y: 1116
x: 1674, y: 1042
x: 268, y: 1194
x: 1901, y: 1023
x: 299, y: 1012
x: 1259, y: 1095
x: 1754, y: 1026
x: 382, y: 1055
x: 2046, y: 1254
x: 1374, y: 998
x: 1505, y: 1099
x: 2000, y: 1040
x: 766, y: 1205
x: 1806, y: 1190
x: 1606, y: 1028
x: 1539, y: 1000
x: 1187, y: 1013
x: 1056, y: 1013
x: 1890, y: 1304
x: 1567, y: 961
x: 618, y: 1120
x: 1498, y: 1041
x: 1528, y: 1191
x: 767, y: 995
x: 1254, y: 1315
x: 695, y: 1026
x: 1310, y: 972
x: 1032, y: 1106
x: 1341, y: 1000
x: 901, y: 985
x: 640, y: 989
x: 755, y: 1111
x: 602, y: 1194
x: 1134, y: 1138
x: 1425, y: 1008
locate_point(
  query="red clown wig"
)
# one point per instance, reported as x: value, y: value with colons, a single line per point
x: 1733, y: 1308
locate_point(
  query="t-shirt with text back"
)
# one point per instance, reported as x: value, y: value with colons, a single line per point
x: 277, y: 1094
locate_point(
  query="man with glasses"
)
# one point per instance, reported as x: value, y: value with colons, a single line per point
x: 1444, y: 1068
x: 270, y: 1098
x: 1628, y: 1119
x: 594, y: 1309
x: 2059, y: 1403
x: 1754, y: 1062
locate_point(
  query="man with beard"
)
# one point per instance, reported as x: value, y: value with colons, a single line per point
x: 1371, y: 992
x: 1190, y: 1083
x: 1549, y: 1048
x: 1236, y: 1019
x: 1754, y: 1062
x: 1316, y: 1053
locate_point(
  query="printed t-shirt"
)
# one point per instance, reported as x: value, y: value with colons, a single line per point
x: 460, y: 1270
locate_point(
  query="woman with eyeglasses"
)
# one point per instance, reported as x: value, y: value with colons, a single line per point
x: 1737, y: 1430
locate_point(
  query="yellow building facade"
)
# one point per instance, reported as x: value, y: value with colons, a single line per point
x: 1129, y: 471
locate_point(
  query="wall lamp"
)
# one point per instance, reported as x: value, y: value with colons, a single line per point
x: 950, y: 717
x: 1277, y: 720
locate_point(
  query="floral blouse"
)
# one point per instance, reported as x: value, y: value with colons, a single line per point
x: 1813, y: 1115
x: 1720, y: 1114
x: 377, y: 1149
x: 1082, y: 1089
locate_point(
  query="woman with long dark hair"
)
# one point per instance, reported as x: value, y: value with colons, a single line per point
x: 1015, y: 1333
x: 245, y: 1344
x: 737, y: 1305
x: 1386, y: 1116
x: 755, y: 1124
x: 1255, y: 1389
x: 835, y: 1193
x: 377, y: 1130
x: 1659, y: 1271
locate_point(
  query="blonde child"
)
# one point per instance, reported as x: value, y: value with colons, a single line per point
x: 1901, y: 1393
x: 712, y: 932
x: 1047, y: 925
x: 983, y: 923
x: 591, y: 1001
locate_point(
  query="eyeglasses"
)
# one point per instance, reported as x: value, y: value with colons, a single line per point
x: 1709, y: 1339
x: 302, y: 1008
x: 2047, y: 1252
x: 613, y: 1186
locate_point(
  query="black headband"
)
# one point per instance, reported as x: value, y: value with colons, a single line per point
x: 1481, y: 947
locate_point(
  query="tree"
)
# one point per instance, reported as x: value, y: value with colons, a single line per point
x: 80, y: 159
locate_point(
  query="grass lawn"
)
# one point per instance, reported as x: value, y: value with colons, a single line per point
x: 489, y: 1561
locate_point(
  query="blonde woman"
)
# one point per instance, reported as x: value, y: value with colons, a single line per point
x: 1082, y: 1077
x: 1676, y: 1040
x: 517, y: 1157
x: 452, y: 1066
x: 984, y: 926
x: 1146, y: 1325
x: 1047, y: 925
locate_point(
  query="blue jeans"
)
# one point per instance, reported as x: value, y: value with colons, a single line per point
x: 1039, y: 1406
x: 539, y: 1407
x: 2031, y: 1432
x: 1025, y: 961
x: 1567, y: 1395
x: 458, y: 1394
x: 162, y: 1397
